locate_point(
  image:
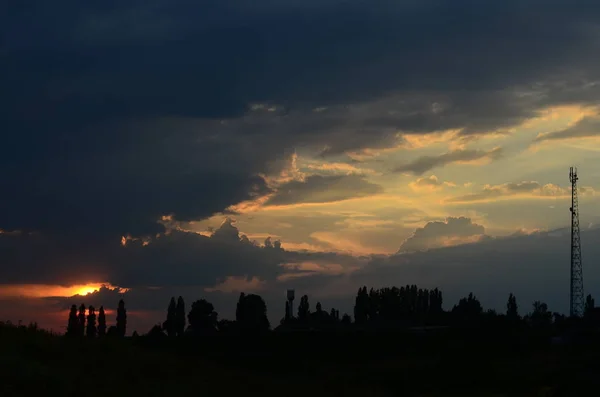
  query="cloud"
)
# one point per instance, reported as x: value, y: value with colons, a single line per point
x: 430, y: 183
x: 339, y: 168
x: 585, y: 128
x: 426, y: 163
x: 533, y: 267
x: 177, y: 258
x: 187, y: 108
x: 520, y: 190
x: 453, y: 231
x: 323, y: 189
x: 134, y: 120
x: 530, y: 265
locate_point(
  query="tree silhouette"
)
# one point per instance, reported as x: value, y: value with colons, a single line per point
x: 73, y: 325
x: 81, y: 320
x: 101, y: 322
x: 346, y: 319
x: 540, y: 317
x: 468, y: 309
x: 512, y: 310
x: 251, y: 313
x: 436, y: 300
x: 361, y: 306
x: 303, y: 310
x: 121, y: 319
x: 170, y: 323
x: 320, y: 318
x: 202, y: 317
x: 180, y: 317
x: 156, y: 332
x: 334, y: 315
x: 590, y: 304
x: 91, y: 322
x: 113, y: 331
x: 288, y: 312
x: 226, y: 326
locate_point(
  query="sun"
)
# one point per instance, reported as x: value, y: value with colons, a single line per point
x: 88, y: 289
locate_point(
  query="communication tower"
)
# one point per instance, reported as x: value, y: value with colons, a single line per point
x: 576, y: 301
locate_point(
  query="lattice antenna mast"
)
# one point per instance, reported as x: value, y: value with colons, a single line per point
x: 576, y: 266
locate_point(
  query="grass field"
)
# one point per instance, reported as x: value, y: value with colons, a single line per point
x: 33, y: 363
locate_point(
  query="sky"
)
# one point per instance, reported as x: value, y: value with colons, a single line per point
x: 204, y: 148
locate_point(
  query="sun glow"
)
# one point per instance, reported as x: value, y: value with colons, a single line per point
x: 42, y: 291
x: 88, y: 289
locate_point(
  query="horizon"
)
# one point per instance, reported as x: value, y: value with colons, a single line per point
x: 203, y: 150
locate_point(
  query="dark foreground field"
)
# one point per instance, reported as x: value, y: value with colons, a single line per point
x: 443, y: 363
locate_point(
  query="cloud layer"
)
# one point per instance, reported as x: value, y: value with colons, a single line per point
x: 122, y: 117
x: 520, y: 189
x: 426, y: 163
x: 111, y: 127
x: 453, y: 231
x: 323, y: 189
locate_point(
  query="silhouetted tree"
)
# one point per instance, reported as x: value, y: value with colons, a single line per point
x: 334, y: 315
x: 113, y: 331
x: 346, y: 319
x: 226, y: 326
x: 304, y: 310
x: 320, y: 318
x: 468, y: 309
x: 512, y: 310
x: 73, y: 325
x: 590, y: 304
x: 81, y: 320
x: 101, y: 322
x: 251, y: 313
x: 156, y: 332
x: 435, y: 301
x: 91, y: 322
x: 361, y: 306
x: 540, y: 317
x: 202, y: 317
x: 180, y: 317
x: 170, y: 323
x: 288, y: 312
x: 121, y: 319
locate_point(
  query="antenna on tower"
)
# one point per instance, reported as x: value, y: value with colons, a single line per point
x: 576, y: 298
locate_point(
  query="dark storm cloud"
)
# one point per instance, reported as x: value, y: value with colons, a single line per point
x: 323, y: 189
x: 112, y: 110
x: 426, y: 163
x: 175, y: 259
x: 585, y: 128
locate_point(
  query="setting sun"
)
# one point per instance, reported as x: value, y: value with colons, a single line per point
x: 88, y: 289
x: 40, y: 291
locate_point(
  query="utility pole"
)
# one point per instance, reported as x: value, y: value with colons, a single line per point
x: 576, y: 301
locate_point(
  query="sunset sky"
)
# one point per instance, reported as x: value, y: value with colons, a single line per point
x: 203, y: 148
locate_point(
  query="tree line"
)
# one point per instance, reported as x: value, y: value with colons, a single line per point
x: 89, y: 325
x: 393, y: 307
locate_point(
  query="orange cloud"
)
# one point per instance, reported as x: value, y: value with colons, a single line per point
x: 431, y: 183
x: 343, y: 168
x: 44, y: 291
x: 305, y: 269
x: 526, y: 189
